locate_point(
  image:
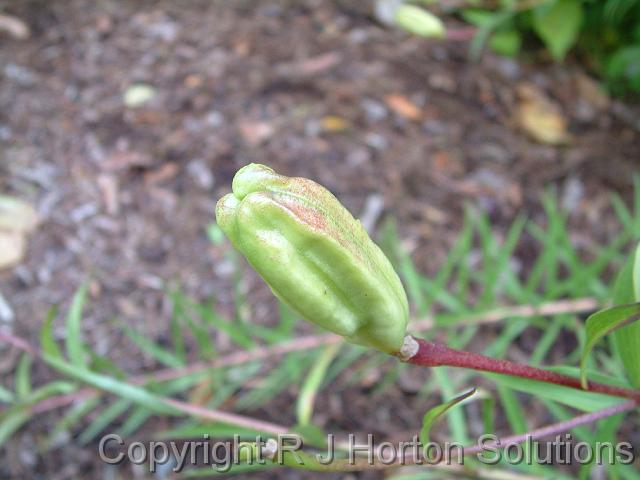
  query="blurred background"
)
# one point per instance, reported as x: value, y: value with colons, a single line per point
x: 122, y: 123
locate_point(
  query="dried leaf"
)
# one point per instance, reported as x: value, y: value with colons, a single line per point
x: 16, y: 215
x: 12, y: 248
x: 123, y: 160
x: 255, y: 133
x: 14, y: 27
x: 162, y: 174
x: 309, y: 66
x: 333, y: 123
x: 592, y: 92
x: 403, y: 106
x: 540, y: 117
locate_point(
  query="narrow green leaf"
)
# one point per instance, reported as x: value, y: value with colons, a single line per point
x: 208, y: 472
x: 551, y: 330
x: 102, y: 421
x: 513, y: 409
x: 6, y: 395
x: 135, y: 420
x: 585, y: 401
x: 73, y: 339
x: 202, y: 338
x: 47, y: 342
x: 177, y: 337
x: 214, y: 430
x: 313, y: 435
x: 15, y: 417
x: 23, y: 376
x: 558, y: 23
x: 150, y: 347
x: 506, y: 42
x: 103, y: 364
x: 121, y: 389
x: 72, y: 417
x: 350, y: 353
x: 309, y: 390
x: 627, y: 339
x: 436, y: 412
x: 215, y: 234
x: 488, y: 414
x: 235, y: 332
x: 287, y: 320
x: 56, y: 387
x: 596, y: 376
x: 411, y: 279
x: 11, y: 421
x: 290, y: 370
x: 486, y: 26
x: 602, y: 323
x: 140, y: 414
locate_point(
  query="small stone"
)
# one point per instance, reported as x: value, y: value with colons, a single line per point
x: 374, y: 110
x: 385, y: 11
x: 14, y: 27
x: 572, y: 194
x: 255, y: 133
x: 509, y: 68
x: 371, y: 212
x: 84, y: 212
x: 5, y: 133
x: 441, y: 81
x: 358, y: 157
x: 152, y: 252
x: 201, y: 174
x: 492, y: 152
x: 214, y: 119
x: 376, y: 141
x: 358, y: 36
x: 19, y: 74
x: 138, y: 94
x: 6, y: 312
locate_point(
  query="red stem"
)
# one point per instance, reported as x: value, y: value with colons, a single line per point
x: 431, y: 354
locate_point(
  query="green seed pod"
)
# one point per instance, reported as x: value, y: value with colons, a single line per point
x: 315, y: 256
x: 419, y: 21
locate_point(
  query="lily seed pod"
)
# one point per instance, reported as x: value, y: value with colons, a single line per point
x: 315, y: 256
x: 419, y: 21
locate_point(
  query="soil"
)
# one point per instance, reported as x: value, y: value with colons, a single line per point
x: 313, y: 88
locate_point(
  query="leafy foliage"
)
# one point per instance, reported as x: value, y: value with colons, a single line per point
x: 606, y: 321
x: 436, y: 412
x: 558, y: 24
x: 606, y: 33
x: 627, y: 289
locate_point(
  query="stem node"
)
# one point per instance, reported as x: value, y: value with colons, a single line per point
x: 409, y: 349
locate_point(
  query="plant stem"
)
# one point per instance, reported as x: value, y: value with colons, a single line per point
x: 306, y: 461
x: 308, y: 342
x: 432, y: 354
x: 560, y: 427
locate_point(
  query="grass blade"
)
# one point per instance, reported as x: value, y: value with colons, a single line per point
x: 74, y: 346
x: 436, y: 412
x: 309, y: 389
x: 603, y: 323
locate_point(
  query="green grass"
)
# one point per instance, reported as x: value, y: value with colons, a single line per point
x: 476, y: 276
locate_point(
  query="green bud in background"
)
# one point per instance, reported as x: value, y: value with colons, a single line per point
x: 626, y: 290
x: 418, y: 21
x: 315, y: 256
